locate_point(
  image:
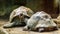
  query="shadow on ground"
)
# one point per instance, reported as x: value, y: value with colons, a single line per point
x: 18, y: 30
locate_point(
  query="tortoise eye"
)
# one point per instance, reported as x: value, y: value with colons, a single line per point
x: 26, y: 16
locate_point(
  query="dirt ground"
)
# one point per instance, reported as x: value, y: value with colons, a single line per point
x: 18, y: 30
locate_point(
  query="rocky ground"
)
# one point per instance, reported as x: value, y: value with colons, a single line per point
x: 18, y: 30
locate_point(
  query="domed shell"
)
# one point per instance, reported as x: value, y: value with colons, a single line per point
x: 22, y: 9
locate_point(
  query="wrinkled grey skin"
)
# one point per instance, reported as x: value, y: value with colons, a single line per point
x: 19, y: 16
x: 39, y: 19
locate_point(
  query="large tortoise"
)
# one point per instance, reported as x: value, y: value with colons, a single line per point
x: 19, y: 16
x: 40, y: 21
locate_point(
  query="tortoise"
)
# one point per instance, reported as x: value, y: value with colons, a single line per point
x: 40, y: 21
x: 19, y: 16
